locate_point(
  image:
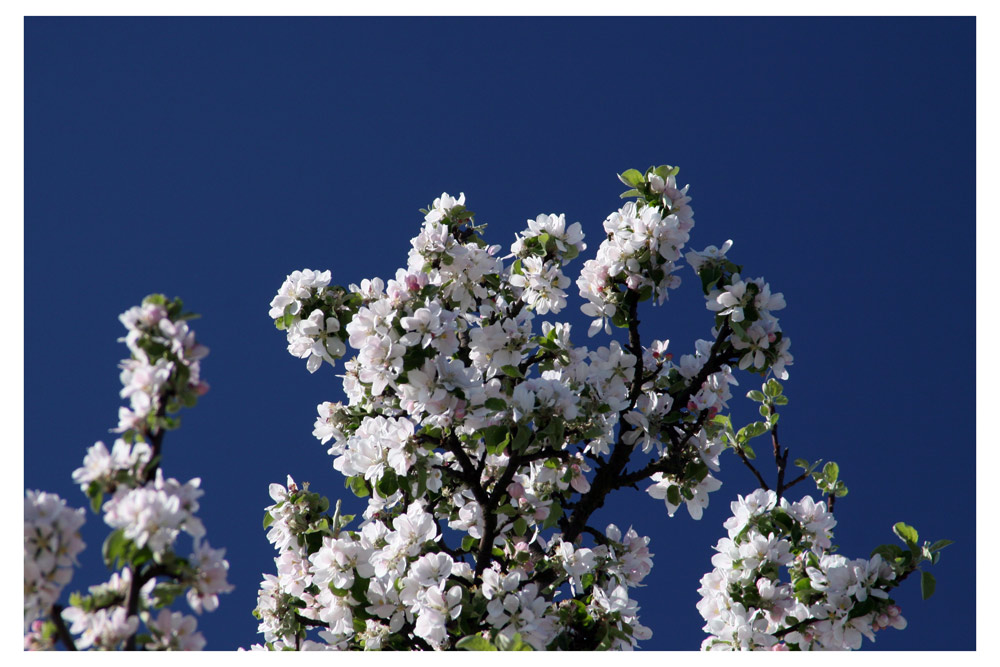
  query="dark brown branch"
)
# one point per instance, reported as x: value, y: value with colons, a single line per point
x: 138, y: 581
x: 795, y: 627
x: 780, y: 459
x: 598, y: 536
x: 610, y: 474
x: 485, y: 555
x: 468, y: 474
x: 155, y: 441
x: 746, y: 462
x: 796, y: 480
x: 61, y: 630
x: 309, y: 622
x: 546, y: 453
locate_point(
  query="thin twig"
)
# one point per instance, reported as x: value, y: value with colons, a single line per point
x: 61, y: 630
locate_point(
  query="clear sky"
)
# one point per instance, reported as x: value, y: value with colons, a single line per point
x: 208, y: 158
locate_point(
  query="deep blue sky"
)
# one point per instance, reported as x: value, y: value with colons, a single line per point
x: 208, y: 158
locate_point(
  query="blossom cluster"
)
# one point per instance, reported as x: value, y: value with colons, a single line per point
x: 371, y: 587
x: 642, y: 247
x: 51, y: 545
x: 777, y: 586
x: 163, y: 372
x: 145, y: 510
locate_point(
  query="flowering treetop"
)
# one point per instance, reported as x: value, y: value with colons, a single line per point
x: 485, y: 439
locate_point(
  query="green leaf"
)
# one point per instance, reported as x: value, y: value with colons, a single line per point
x: 889, y: 552
x: 520, y: 526
x: 772, y: 388
x: 521, y: 439
x: 496, y: 404
x: 555, y: 513
x: 388, y: 485
x: 512, y: 371
x: 801, y: 463
x: 630, y: 193
x: 927, y: 585
x: 321, y: 526
x: 906, y: 533
x: 830, y: 472
x: 755, y: 395
x: 674, y: 495
x: 96, y: 500
x: 268, y: 519
x: 496, y: 436
x: 631, y: 177
x: 114, y: 547
x: 940, y: 544
x: 357, y: 486
x: 474, y: 643
x: 468, y: 542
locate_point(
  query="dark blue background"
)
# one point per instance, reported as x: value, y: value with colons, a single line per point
x: 208, y: 158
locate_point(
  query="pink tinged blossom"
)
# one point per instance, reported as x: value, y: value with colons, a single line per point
x: 173, y: 631
x: 104, y: 628
x: 211, y: 570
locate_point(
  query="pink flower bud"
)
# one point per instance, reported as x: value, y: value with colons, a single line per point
x: 779, y: 647
x: 515, y: 490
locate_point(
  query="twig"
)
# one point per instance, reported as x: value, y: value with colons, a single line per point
x: 64, y: 636
x: 746, y: 462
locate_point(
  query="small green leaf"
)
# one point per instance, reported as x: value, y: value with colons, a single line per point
x: 940, y: 544
x: 755, y: 395
x: 631, y: 177
x: 772, y: 388
x: 497, y: 404
x: 512, y: 371
x: 114, y: 547
x: 927, y: 585
x: 474, y: 643
x: 520, y: 526
x: 906, y: 533
x: 830, y: 472
x: 496, y: 436
x: 357, y: 486
x: 268, y: 519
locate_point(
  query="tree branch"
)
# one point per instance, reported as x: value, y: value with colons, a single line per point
x: 746, y: 462
x: 61, y: 630
x: 138, y: 581
x: 780, y: 459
